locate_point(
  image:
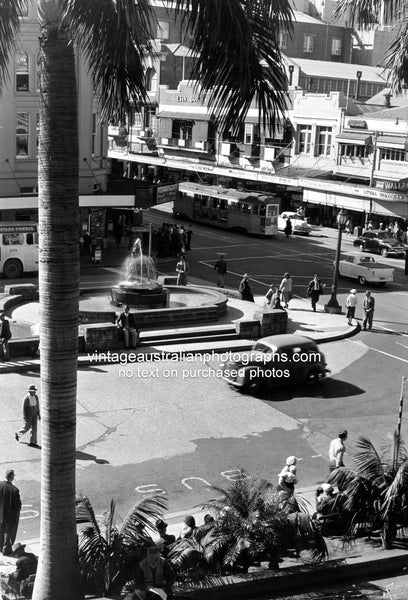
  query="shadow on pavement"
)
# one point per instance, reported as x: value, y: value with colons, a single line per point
x: 330, y: 388
x: 91, y: 457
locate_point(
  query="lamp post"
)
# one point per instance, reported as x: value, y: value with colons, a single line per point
x: 333, y: 306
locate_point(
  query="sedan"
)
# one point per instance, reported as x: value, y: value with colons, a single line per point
x: 376, y: 240
x: 277, y: 360
x: 299, y: 224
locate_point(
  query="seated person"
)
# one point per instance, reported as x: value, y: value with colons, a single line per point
x: 189, y: 528
x: 26, y: 565
x: 165, y: 539
x: 154, y: 577
x: 325, y: 497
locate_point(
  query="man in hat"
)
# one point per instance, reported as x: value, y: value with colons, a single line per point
x: 5, y: 335
x: 31, y: 414
x: 153, y: 575
x: 189, y: 528
x: 165, y: 539
x: 26, y: 565
x: 351, y: 304
x: 10, y: 506
x: 368, y: 308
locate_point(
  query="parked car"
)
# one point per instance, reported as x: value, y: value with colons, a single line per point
x: 381, y: 242
x: 365, y: 269
x: 299, y: 224
x: 277, y: 360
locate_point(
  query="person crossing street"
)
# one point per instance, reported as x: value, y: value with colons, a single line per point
x: 368, y: 308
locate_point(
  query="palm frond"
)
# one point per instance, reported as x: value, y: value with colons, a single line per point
x: 397, y: 492
x: 115, y: 38
x: 239, y: 60
x: 308, y: 536
x: 140, y: 517
x: 368, y: 463
x: 10, y: 13
x: 365, y: 13
x: 396, y: 58
x: 85, y: 512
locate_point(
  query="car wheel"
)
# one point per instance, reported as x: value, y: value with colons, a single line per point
x: 361, y: 247
x: 362, y: 280
x: 13, y: 269
x: 251, y: 387
x: 314, y: 376
x: 384, y: 252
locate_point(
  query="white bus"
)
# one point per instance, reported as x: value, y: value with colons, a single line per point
x: 253, y: 212
x: 18, y: 248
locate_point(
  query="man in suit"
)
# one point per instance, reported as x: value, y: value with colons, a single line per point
x: 368, y: 308
x: 314, y: 291
x: 31, y: 415
x: 10, y: 506
x: 127, y: 323
x: 5, y: 335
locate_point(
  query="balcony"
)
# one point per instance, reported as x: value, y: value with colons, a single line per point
x: 189, y: 145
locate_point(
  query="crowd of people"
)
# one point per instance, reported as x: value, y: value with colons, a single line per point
x: 172, y: 240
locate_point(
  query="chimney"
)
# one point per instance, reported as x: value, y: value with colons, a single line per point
x: 387, y: 100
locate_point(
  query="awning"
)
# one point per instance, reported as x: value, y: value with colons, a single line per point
x: 183, y: 116
x: 389, y: 176
x: 353, y: 137
x: 392, y: 141
x: 181, y: 50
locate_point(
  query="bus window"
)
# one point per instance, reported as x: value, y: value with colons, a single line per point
x: 30, y: 239
x: 204, y: 201
x: 13, y: 239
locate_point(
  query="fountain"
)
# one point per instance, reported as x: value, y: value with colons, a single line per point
x: 140, y: 289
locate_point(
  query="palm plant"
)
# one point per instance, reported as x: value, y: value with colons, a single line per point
x: 366, y: 14
x: 108, y: 549
x: 375, y: 490
x: 238, y: 61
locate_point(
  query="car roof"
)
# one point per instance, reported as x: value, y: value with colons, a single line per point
x: 285, y: 339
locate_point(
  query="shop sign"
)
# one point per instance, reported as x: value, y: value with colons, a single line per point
x: 341, y: 188
x: 166, y: 193
x: 190, y: 99
x: 357, y: 124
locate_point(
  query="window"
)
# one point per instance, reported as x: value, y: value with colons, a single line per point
x: 182, y: 130
x: 249, y: 134
x: 22, y: 135
x: 37, y: 132
x: 353, y: 150
x: 22, y: 74
x: 283, y: 40
x: 305, y: 139
x: 151, y: 80
x: 13, y: 239
x: 308, y: 43
x: 150, y: 119
x: 389, y: 154
x: 93, y: 135
x: 325, y: 140
x: 336, y: 47
x: 163, y: 30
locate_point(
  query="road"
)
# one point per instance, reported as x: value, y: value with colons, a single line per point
x: 175, y: 429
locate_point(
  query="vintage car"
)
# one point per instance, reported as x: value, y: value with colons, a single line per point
x: 277, y: 360
x: 365, y: 270
x: 381, y: 242
x: 299, y: 224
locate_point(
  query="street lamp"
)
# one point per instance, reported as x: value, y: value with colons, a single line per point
x: 333, y: 306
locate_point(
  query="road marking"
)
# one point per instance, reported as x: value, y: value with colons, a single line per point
x: 403, y: 345
x: 388, y: 354
x: 233, y: 475
x: 392, y: 330
x: 183, y: 481
x: 150, y: 488
x: 28, y: 513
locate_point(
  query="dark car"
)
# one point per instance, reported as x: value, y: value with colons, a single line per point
x: 381, y: 242
x: 277, y: 360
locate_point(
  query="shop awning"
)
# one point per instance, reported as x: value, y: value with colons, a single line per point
x: 183, y: 116
x: 353, y: 137
x: 389, y: 176
x: 181, y: 50
x: 393, y: 142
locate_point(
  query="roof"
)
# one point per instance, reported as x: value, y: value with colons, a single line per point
x: 396, y: 99
x: 300, y: 17
x: 390, y: 114
x: 324, y: 68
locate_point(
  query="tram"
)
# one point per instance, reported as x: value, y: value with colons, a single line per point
x: 252, y: 212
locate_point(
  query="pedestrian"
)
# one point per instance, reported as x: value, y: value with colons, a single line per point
x: 285, y: 289
x: 153, y: 572
x: 182, y: 268
x: 165, y: 539
x: 287, y: 478
x: 127, y: 323
x: 189, y: 528
x: 337, y: 450
x: 288, y: 227
x: 10, y: 506
x: 368, y: 308
x: 5, y: 335
x: 272, y: 298
x: 220, y: 268
x: 31, y: 414
x: 189, y: 234
x: 351, y: 304
x: 314, y: 290
x: 245, y: 289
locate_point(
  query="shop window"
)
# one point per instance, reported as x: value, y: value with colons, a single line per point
x: 308, y: 43
x: 163, y: 30
x: 325, y: 141
x: 22, y: 72
x: 22, y: 135
x: 336, y: 47
x: 304, y: 139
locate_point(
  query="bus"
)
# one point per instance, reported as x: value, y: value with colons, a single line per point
x: 18, y: 248
x: 252, y: 212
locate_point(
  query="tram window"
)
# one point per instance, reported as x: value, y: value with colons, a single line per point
x: 245, y: 208
x: 255, y: 209
x: 214, y: 202
x: 262, y: 211
x: 204, y: 201
x: 223, y: 204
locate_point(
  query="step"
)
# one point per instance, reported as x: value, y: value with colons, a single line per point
x: 182, y: 332
x: 189, y: 339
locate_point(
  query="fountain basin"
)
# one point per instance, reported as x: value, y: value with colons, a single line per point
x: 139, y: 295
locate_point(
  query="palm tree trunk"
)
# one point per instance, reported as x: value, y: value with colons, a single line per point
x: 58, y: 571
